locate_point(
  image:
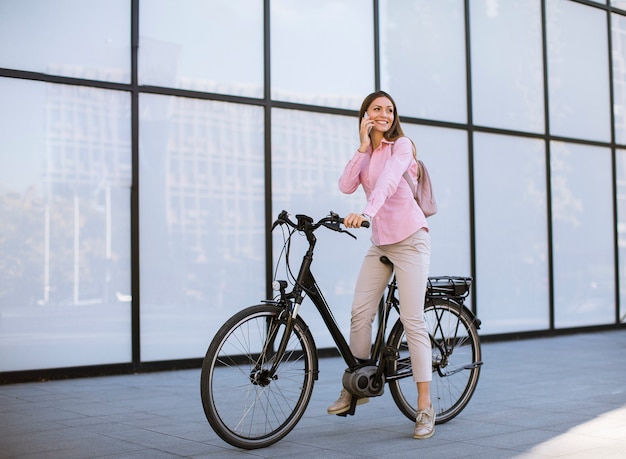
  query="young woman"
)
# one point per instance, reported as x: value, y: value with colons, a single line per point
x: 400, y: 232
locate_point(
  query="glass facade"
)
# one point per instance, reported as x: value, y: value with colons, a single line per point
x: 506, y: 47
x: 423, y: 59
x: 201, y: 217
x: 145, y: 147
x: 513, y: 289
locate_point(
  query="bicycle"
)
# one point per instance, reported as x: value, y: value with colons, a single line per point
x: 258, y: 373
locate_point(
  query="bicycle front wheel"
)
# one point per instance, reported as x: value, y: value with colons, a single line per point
x: 246, y: 405
x: 456, y: 361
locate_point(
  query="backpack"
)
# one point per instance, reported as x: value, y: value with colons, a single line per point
x: 423, y: 192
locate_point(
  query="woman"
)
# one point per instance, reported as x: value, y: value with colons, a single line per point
x: 400, y: 232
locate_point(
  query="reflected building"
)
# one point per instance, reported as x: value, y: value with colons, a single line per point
x: 87, y: 167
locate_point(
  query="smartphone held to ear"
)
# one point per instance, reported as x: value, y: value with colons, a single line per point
x: 366, y: 116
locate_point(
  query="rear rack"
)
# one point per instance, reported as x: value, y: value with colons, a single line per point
x: 448, y: 286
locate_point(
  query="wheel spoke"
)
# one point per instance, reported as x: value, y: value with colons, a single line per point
x: 456, y: 362
x: 246, y: 405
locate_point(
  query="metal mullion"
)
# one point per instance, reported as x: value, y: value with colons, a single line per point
x: 267, y: 119
x: 470, y: 153
x: 376, y: 5
x: 614, y: 167
x: 547, y: 139
x: 134, y: 204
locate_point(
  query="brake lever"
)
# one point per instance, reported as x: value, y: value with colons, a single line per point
x: 280, y: 220
x: 348, y: 233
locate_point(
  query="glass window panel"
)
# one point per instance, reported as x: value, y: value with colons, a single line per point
x: 322, y: 52
x: 306, y: 164
x: 618, y: 31
x: 619, y: 4
x: 507, y: 65
x: 71, y: 38
x: 582, y: 219
x: 65, y: 180
x: 444, y: 151
x: 202, y: 193
x: 578, y: 78
x: 202, y: 45
x: 511, y: 233
x: 621, y: 228
x: 422, y: 55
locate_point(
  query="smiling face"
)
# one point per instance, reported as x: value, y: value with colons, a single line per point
x: 382, y: 112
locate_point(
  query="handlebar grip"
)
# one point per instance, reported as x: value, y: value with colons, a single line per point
x: 364, y: 223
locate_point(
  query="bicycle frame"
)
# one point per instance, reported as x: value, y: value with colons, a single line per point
x: 306, y: 283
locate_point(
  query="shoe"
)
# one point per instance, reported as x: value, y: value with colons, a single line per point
x: 424, y: 424
x: 343, y: 403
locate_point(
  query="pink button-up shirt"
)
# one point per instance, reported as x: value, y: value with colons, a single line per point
x: 390, y: 202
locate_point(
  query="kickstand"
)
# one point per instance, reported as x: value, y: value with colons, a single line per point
x: 352, y: 408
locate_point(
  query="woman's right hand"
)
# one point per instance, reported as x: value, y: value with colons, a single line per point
x: 364, y: 133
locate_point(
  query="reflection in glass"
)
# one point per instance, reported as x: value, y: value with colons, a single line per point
x: 511, y: 233
x: 422, y: 53
x: 582, y: 219
x: 64, y: 38
x: 444, y: 151
x: 202, y: 193
x: 65, y: 177
x: 620, y: 156
x: 578, y: 77
x: 322, y: 51
x: 207, y: 45
x: 309, y: 153
x: 618, y: 36
x: 507, y: 65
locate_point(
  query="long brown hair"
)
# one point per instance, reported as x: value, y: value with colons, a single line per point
x: 395, y: 131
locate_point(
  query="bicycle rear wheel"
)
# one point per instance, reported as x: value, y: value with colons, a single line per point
x: 244, y: 404
x: 456, y: 361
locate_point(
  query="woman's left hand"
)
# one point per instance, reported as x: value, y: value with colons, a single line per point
x: 353, y: 220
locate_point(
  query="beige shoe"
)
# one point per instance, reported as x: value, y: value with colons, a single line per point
x: 424, y: 424
x: 343, y: 403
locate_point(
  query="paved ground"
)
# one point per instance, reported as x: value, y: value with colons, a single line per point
x: 540, y: 398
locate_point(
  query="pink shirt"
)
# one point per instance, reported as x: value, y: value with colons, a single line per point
x: 390, y: 202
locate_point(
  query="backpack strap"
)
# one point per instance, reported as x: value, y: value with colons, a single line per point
x: 406, y: 174
x: 423, y: 190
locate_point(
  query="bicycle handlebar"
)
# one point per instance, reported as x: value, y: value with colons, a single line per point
x: 306, y: 223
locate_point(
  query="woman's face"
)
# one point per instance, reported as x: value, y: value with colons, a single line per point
x: 381, y: 112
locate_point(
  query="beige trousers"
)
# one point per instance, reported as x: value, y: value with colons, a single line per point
x: 411, y: 260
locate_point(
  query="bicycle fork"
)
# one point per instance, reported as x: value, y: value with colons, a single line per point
x: 287, y: 318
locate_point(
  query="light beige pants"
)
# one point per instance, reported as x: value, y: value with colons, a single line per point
x: 411, y: 260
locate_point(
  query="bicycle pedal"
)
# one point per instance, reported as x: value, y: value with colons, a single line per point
x: 351, y: 410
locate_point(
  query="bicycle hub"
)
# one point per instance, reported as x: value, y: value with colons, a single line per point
x: 362, y: 382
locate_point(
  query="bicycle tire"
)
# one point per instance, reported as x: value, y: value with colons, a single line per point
x: 245, y: 410
x: 454, y: 377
